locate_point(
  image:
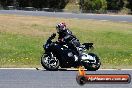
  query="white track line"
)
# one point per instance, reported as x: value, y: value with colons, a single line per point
x: 19, y: 68
x: 72, y: 69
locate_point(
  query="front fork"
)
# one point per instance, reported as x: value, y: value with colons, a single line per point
x: 49, y: 54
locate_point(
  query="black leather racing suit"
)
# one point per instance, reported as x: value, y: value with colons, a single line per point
x: 67, y: 37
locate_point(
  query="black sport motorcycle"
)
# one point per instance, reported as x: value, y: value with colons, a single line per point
x: 57, y: 55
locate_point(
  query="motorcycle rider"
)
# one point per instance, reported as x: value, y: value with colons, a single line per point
x: 66, y: 37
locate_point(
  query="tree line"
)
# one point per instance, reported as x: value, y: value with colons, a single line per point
x: 85, y: 5
x: 59, y: 4
x: 104, y: 5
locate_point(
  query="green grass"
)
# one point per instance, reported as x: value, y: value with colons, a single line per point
x: 18, y: 50
x: 113, y: 46
x: 22, y: 37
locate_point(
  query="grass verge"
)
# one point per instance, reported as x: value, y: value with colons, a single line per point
x: 22, y: 37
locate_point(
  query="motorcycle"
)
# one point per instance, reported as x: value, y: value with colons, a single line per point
x: 57, y: 55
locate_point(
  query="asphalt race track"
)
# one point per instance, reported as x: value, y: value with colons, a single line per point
x: 22, y: 78
x: 102, y: 17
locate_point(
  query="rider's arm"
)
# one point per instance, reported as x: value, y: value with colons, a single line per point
x: 68, y: 34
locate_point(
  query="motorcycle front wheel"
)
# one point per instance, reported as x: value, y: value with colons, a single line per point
x: 50, y: 63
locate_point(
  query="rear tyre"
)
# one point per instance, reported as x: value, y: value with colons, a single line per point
x: 50, y: 63
x: 92, y: 66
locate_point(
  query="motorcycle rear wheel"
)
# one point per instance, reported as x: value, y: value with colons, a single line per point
x: 95, y: 66
x: 51, y: 64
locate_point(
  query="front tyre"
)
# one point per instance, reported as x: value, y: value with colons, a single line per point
x: 50, y: 63
x: 92, y: 66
